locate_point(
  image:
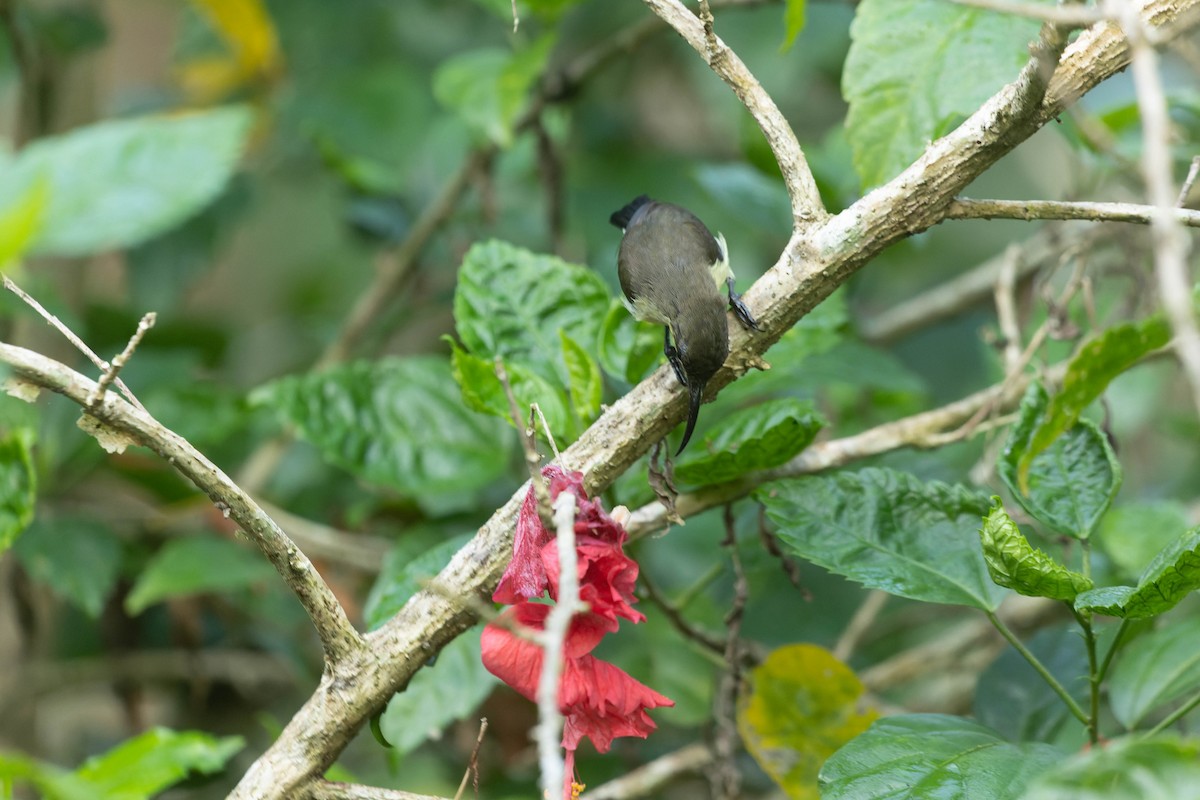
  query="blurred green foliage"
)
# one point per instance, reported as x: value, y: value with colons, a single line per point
x: 345, y: 213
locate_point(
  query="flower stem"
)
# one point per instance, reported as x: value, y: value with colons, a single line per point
x: 1073, y: 706
x: 1089, y: 638
x: 1112, y: 649
x: 1175, y: 715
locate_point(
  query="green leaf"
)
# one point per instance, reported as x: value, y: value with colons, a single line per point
x: 53, y: 782
x: 1129, y: 768
x: 18, y: 484
x: 802, y: 706
x: 439, y: 694
x: 1020, y: 705
x: 1088, y: 375
x: 149, y: 763
x: 1172, y: 575
x: 887, y: 530
x: 1015, y: 564
x: 793, y: 22
x: 115, y: 184
x: 1163, y: 666
x: 395, y: 422
x: 78, y: 559
x: 483, y: 392
x: 403, y: 575
x: 21, y: 219
x: 512, y: 303
x: 442, y: 692
x: 759, y: 437
x: 1132, y: 535
x: 930, y: 756
x: 193, y: 565
x: 628, y: 348
x: 487, y: 87
x: 585, y: 383
x: 905, y: 80
x: 1068, y: 485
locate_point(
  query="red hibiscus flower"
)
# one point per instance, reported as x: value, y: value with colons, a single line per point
x: 597, y: 699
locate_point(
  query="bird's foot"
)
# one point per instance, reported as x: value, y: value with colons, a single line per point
x: 739, y: 308
x: 676, y: 363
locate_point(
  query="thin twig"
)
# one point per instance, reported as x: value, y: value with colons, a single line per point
x: 61, y: 327
x: 1189, y: 182
x: 110, y: 374
x: 473, y: 763
x: 536, y: 409
x: 967, y: 208
x: 1006, y: 309
x: 797, y: 176
x: 533, y: 459
x: 677, y: 619
x: 548, y: 732
x: 724, y: 775
x: 1070, y: 16
x: 649, y: 779
x: 860, y: 623
x: 964, y: 291
x: 1171, y: 245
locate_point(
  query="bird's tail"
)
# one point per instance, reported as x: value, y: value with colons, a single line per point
x: 695, y: 394
x: 621, y: 217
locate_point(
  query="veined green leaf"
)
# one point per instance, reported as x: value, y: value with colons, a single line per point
x: 1088, y: 375
x: 628, y: 348
x: 1069, y: 484
x: 1015, y: 564
x: 926, y: 756
x: 512, y: 303
x: 1171, y: 576
x: 759, y: 437
x: 585, y: 382
x: 889, y: 531
x: 483, y: 392
x: 904, y: 76
x: 398, y: 422
x: 1130, y: 768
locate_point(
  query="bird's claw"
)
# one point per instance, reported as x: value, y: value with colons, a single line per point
x: 739, y: 308
x: 676, y: 363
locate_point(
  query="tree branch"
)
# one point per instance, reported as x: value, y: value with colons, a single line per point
x: 964, y: 208
x: 338, y: 637
x: 801, y: 186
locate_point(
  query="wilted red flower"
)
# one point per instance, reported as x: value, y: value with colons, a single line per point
x: 525, y: 577
x: 597, y: 700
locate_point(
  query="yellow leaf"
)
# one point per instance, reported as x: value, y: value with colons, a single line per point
x: 246, y: 27
x: 207, y: 80
x: 803, y: 705
x: 21, y: 221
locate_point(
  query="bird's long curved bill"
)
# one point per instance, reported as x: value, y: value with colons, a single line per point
x: 695, y: 394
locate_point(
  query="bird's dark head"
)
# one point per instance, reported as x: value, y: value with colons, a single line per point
x: 702, y: 340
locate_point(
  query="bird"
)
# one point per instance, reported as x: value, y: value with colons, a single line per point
x: 671, y: 270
